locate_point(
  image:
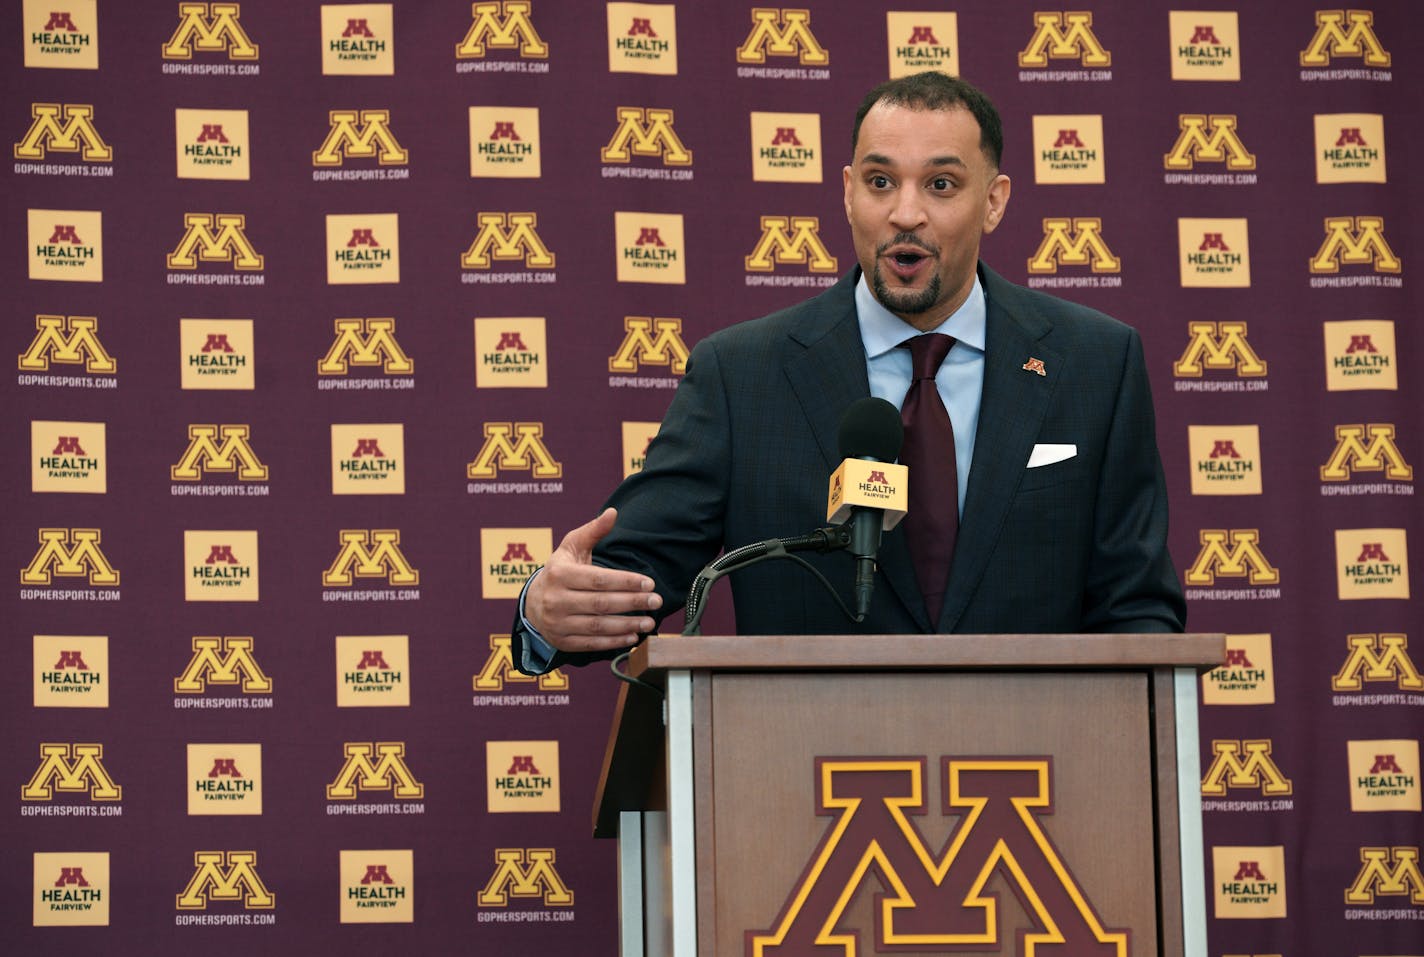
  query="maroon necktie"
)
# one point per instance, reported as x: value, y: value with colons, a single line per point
x: 928, y: 452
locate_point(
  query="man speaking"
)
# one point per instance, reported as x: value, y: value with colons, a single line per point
x: 1037, y: 502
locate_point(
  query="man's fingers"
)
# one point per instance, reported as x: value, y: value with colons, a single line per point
x: 595, y: 578
x: 580, y: 541
x: 595, y: 632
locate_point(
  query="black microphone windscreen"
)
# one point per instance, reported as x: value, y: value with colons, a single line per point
x: 871, y: 429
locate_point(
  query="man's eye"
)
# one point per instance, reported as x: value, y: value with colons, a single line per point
x: 941, y: 183
x: 879, y: 182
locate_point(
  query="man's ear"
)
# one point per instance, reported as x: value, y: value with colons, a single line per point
x: 997, y: 202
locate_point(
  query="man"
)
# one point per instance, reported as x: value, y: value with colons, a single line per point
x: 1061, y: 520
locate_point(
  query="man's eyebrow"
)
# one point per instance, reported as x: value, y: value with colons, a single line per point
x: 880, y: 159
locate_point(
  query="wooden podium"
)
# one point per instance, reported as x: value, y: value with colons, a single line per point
x: 851, y: 795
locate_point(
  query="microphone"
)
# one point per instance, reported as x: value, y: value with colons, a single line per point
x: 868, y: 488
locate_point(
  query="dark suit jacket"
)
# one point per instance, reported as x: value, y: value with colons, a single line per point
x: 750, y: 439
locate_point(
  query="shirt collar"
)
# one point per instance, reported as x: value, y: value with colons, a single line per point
x: 881, y: 330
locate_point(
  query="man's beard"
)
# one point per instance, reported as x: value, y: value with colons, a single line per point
x: 906, y: 301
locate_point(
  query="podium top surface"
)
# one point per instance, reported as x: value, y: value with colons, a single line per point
x: 925, y: 652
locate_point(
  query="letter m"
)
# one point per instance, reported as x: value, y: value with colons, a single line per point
x: 373, y: 554
x: 640, y: 345
x: 499, y: 668
x: 1380, y: 455
x: 1224, y: 144
x: 370, y: 137
x: 209, y: 32
x: 70, y: 341
x: 226, y: 876
x: 71, y: 553
x: 503, y: 26
x: 1382, y: 657
x: 388, y: 773
x: 1075, y: 242
x: 517, y: 240
x: 1256, y: 769
x: 647, y: 133
x: 528, y: 453
x: 1067, y: 35
x: 71, y: 769
x: 1378, y: 877
x: 1220, y: 346
x: 1242, y: 559
x: 796, y: 239
x: 782, y: 32
x: 1332, y: 37
x: 78, y: 130
x: 233, y: 455
x: 1354, y: 241
x: 227, y: 243
x: 525, y: 873
x: 222, y: 661
x: 365, y: 342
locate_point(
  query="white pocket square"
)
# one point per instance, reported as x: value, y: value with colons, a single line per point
x: 1047, y: 454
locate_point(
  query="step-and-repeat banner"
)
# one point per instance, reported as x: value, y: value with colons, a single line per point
x: 330, y: 319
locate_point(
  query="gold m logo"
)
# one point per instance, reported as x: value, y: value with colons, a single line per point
x: 226, y: 876
x: 365, y: 342
x: 71, y: 769
x: 527, y: 453
x: 1075, y: 242
x: 387, y: 773
x: 1351, y: 452
x: 1383, y: 657
x: 1230, y: 770
x: 794, y: 239
x: 77, y: 131
x: 228, y: 243
x: 929, y: 903
x: 1333, y: 37
x: 222, y: 661
x: 1221, y: 346
x: 1064, y: 36
x: 69, y: 340
x: 506, y: 236
x: 1221, y: 145
x: 373, y: 554
x: 1244, y: 558
x: 647, y: 133
x: 1377, y: 876
x: 209, y: 28
x: 1354, y: 241
x: 368, y: 137
x: 525, y: 873
x: 503, y: 25
x: 205, y: 454
x: 640, y: 345
x: 70, y: 553
x: 499, y: 668
x: 778, y: 32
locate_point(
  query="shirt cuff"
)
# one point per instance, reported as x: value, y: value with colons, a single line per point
x: 537, y: 653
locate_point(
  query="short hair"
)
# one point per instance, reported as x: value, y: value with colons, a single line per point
x: 932, y: 90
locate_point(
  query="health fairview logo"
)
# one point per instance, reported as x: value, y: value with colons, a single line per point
x: 1377, y: 658
x: 921, y: 41
x: 1073, y: 242
x: 71, y: 671
x: 1218, y: 347
x: 1248, y: 676
x: 72, y: 770
x: 228, y: 877
x: 1231, y: 553
x: 1064, y: 35
x: 790, y: 241
x: 504, y: 142
x: 63, y: 128
x: 224, y: 449
x: 358, y: 39
x: 68, y: 457
x: 522, y: 775
x: 1208, y: 138
x: 786, y: 147
x: 1002, y: 804
x: 650, y: 247
x: 1244, y: 765
x: 1384, y: 775
x: 642, y: 38
x: 210, y: 28
x: 516, y: 446
x: 227, y: 662
x: 637, y: 438
x: 781, y: 32
x: 224, y: 779
x: 360, y: 134
x: 374, y: 766
x: 372, y: 671
x: 1360, y: 354
x: 1366, y: 447
x: 68, y: 340
x: 1249, y: 882
x: 498, y: 669
x: 528, y: 875
x: 645, y: 132
x: 1214, y: 253
x: 212, y: 144
x: 1347, y: 34
x: 217, y: 354
x: 220, y: 565
x: 66, y: 245
x: 368, y: 344
x: 1372, y: 563
x: 71, y: 889
x: 1354, y: 241
x: 368, y: 459
x: 1349, y: 148
x: 505, y: 26
x: 370, y: 553
x: 1205, y: 45
x: 1388, y: 872
x: 362, y: 248
x: 377, y: 887
x: 1069, y: 148
x: 70, y: 553
x: 508, y: 556
x: 511, y: 353
x: 215, y: 238
x: 650, y: 340
x: 1225, y: 459
x: 66, y: 39
x: 507, y: 237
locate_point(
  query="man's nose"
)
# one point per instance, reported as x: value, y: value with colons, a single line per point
x: 908, y: 212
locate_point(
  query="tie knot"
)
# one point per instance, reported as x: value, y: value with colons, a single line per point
x: 927, y: 352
